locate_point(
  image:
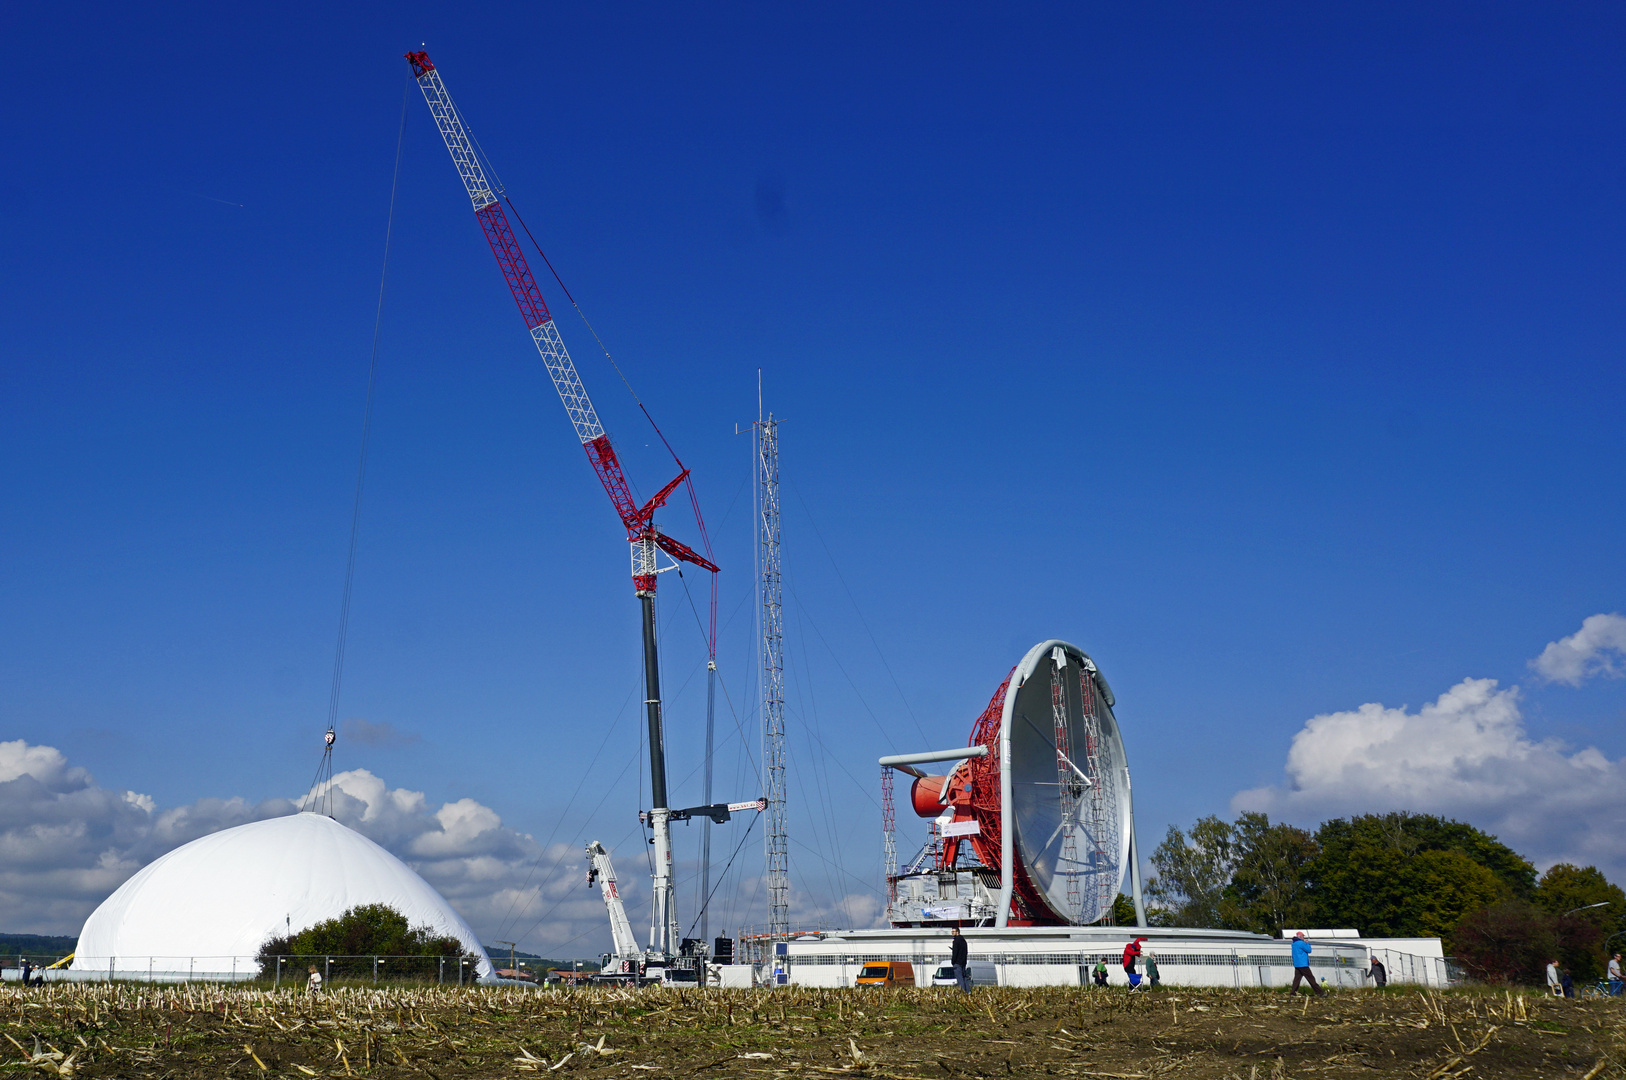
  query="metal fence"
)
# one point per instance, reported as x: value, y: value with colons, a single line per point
x: 336, y: 970
x: 1410, y: 968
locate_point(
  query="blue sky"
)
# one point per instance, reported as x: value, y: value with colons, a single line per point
x: 1270, y: 355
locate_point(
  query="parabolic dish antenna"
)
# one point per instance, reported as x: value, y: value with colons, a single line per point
x: 1041, y: 795
x: 1069, y: 783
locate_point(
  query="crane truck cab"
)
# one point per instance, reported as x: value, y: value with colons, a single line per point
x: 886, y: 973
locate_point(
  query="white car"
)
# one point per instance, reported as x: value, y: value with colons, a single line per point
x: 982, y: 973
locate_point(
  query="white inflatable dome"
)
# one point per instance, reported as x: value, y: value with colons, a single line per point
x: 205, y: 908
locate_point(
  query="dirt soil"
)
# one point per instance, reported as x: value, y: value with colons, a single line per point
x: 442, y: 1034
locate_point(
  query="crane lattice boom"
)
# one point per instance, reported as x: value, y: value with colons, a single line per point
x: 638, y: 520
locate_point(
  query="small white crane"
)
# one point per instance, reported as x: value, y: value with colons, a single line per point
x: 628, y: 960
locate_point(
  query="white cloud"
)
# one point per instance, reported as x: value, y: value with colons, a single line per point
x: 44, y: 763
x: 66, y: 843
x: 1467, y: 755
x: 1595, y: 649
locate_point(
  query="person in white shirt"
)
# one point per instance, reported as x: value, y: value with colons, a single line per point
x: 1555, y: 986
x: 1615, y: 980
x: 314, y: 983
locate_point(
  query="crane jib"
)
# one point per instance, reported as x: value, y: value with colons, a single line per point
x: 539, y: 321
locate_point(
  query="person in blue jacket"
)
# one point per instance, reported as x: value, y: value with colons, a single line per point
x: 1301, y: 964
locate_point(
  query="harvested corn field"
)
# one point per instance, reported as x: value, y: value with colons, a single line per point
x: 442, y: 1034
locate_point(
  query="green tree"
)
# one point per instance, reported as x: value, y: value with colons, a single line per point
x: 1410, y: 875
x: 1123, y: 911
x: 1193, y: 874
x: 365, y: 930
x: 1267, y: 890
x: 1443, y: 886
x: 1566, y: 887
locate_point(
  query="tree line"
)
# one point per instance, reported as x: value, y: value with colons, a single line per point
x: 1391, y: 875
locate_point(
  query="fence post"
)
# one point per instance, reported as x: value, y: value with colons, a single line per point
x: 441, y: 977
x: 327, y: 970
x: 276, y: 980
x: 375, y: 968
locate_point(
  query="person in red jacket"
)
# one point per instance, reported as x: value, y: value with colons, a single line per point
x: 1131, y: 952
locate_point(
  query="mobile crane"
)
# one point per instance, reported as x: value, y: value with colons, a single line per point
x: 627, y: 963
x: 646, y: 539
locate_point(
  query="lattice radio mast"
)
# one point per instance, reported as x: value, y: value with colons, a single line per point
x: 889, y: 835
x: 771, y: 613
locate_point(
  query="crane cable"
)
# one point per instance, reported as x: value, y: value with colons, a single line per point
x: 366, y: 432
x: 694, y: 499
x: 724, y: 873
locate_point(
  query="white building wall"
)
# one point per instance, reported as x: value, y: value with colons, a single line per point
x: 1062, y: 957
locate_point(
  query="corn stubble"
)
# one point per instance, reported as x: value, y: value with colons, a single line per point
x: 161, y: 1032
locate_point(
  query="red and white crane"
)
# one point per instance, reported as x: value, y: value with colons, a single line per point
x: 646, y: 539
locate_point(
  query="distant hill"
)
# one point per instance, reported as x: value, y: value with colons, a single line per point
x: 36, y: 945
x: 499, y: 956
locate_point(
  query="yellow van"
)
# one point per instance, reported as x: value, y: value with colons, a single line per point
x: 887, y: 973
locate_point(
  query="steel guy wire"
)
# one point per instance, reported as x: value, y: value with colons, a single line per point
x: 366, y: 429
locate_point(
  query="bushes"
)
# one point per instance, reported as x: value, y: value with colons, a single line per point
x: 365, y: 930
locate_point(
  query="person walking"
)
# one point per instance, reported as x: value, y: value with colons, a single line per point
x: 1100, y: 973
x: 1151, y: 969
x: 1616, y: 983
x: 1554, y: 986
x: 313, y: 985
x: 1378, y: 973
x: 27, y: 968
x: 1301, y: 965
x: 1131, y: 952
x: 960, y: 959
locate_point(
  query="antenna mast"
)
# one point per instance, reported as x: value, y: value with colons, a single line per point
x: 889, y: 835
x: 773, y: 670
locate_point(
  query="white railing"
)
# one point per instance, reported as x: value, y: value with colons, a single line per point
x: 1411, y: 969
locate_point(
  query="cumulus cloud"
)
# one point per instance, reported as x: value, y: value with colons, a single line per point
x: 66, y: 843
x: 1466, y: 755
x: 1595, y: 649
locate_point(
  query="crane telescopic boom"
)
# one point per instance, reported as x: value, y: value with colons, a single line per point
x: 627, y: 957
x: 639, y: 521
